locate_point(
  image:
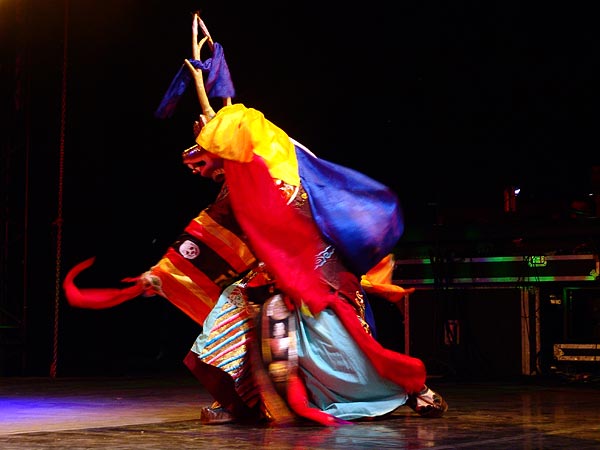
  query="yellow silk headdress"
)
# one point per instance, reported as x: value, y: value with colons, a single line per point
x: 236, y: 133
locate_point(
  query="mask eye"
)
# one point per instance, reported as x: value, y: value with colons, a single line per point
x: 194, y: 167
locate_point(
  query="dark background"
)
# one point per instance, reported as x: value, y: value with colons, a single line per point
x: 448, y: 103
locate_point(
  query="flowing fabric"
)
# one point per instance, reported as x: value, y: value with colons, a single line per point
x: 224, y: 343
x: 361, y: 216
x: 218, y: 82
x: 96, y: 298
x: 284, y: 240
x: 192, y: 273
x: 326, y: 350
x: 378, y: 281
x: 206, y: 257
x: 258, y: 223
x: 238, y: 133
x: 287, y: 243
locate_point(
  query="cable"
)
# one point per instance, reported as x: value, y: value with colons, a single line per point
x: 59, y: 213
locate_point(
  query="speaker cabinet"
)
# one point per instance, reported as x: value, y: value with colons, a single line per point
x: 475, y: 332
x: 579, y: 340
x: 581, y: 315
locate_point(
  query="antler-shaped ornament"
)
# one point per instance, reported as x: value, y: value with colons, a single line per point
x: 207, y: 110
x: 211, y: 76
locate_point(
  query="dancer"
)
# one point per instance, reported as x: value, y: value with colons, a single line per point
x: 272, y: 271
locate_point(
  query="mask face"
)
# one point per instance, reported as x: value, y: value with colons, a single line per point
x: 203, y: 163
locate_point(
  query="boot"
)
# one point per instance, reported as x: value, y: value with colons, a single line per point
x: 427, y: 403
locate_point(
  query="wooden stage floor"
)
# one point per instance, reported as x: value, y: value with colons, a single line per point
x: 162, y: 412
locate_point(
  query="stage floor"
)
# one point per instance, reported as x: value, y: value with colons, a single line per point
x: 162, y: 412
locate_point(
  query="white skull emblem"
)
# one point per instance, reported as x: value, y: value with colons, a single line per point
x: 189, y: 249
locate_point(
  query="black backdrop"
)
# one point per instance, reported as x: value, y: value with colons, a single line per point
x: 446, y: 103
